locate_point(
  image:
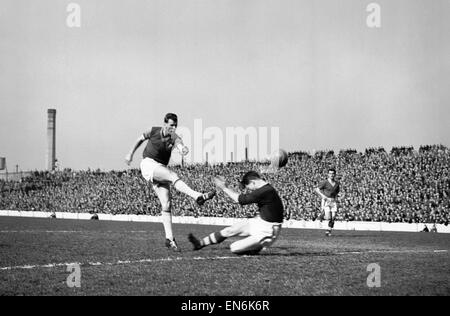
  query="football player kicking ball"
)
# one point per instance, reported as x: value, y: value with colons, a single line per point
x: 260, y: 231
x: 156, y: 156
x: 328, y: 191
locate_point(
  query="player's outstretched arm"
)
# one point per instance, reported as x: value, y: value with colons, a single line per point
x: 129, y: 156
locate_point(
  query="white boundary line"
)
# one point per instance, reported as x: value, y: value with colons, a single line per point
x: 123, y: 262
x: 120, y: 262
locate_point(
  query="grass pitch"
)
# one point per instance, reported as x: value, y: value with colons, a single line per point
x: 124, y: 258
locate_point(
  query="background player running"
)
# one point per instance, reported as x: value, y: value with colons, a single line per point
x: 328, y: 191
x: 260, y: 231
x: 156, y: 156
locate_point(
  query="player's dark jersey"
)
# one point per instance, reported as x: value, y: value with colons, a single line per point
x: 268, y: 201
x: 329, y: 190
x: 159, y: 147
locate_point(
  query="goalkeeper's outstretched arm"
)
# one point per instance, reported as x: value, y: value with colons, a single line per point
x: 232, y: 194
x: 220, y: 182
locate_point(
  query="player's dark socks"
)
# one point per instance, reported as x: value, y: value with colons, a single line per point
x: 331, y: 224
x: 214, y: 238
x: 195, y: 242
x: 205, y: 197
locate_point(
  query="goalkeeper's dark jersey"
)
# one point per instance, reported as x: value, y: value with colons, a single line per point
x: 268, y: 201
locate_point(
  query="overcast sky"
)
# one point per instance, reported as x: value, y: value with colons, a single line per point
x: 312, y: 68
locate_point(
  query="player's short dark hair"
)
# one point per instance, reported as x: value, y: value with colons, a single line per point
x: 249, y: 176
x: 332, y: 169
x: 171, y: 116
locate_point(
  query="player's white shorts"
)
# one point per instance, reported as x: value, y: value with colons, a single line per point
x: 260, y: 234
x: 266, y: 231
x: 329, y: 206
x: 148, y: 167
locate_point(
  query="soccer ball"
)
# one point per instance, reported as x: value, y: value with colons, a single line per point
x: 279, y: 158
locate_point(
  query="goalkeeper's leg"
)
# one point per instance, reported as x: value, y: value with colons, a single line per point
x: 247, y: 246
x: 239, y: 229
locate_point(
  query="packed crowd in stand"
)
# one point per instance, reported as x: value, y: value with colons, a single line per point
x: 403, y: 185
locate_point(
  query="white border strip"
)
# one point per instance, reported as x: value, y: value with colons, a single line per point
x: 360, y: 226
